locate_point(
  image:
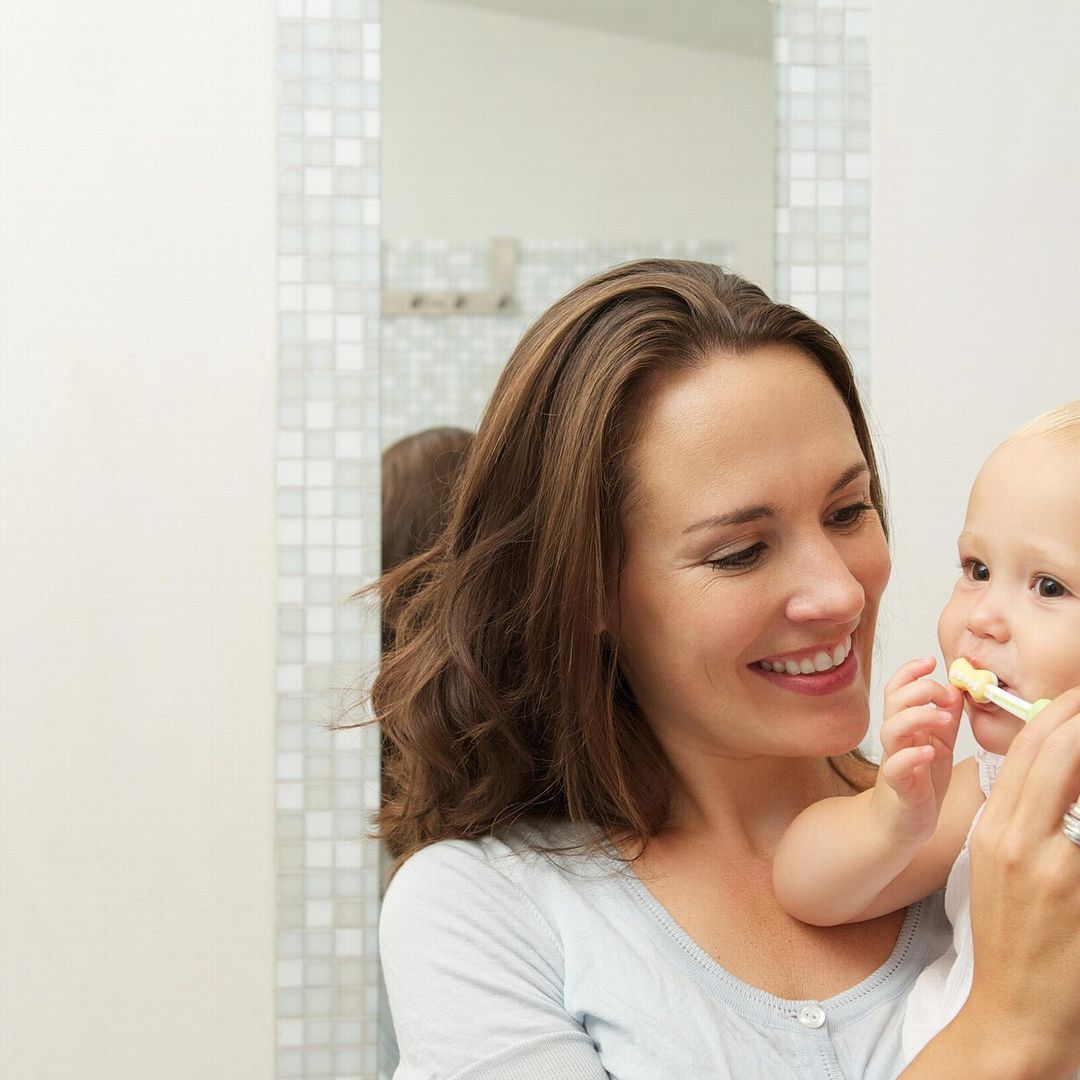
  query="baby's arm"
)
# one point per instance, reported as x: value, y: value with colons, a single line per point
x: 854, y: 858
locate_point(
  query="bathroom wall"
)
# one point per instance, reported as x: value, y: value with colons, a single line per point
x: 975, y: 264
x: 499, y: 124
x: 137, y: 577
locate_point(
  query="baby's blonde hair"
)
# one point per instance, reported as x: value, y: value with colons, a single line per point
x: 1061, y: 425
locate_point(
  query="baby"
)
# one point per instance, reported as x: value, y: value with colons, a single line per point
x: 1016, y: 611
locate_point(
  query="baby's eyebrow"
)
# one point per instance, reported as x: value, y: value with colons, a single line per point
x: 755, y: 512
x: 1035, y: 552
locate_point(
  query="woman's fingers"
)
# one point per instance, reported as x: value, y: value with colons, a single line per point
x: 1052, y: 782
x: 1029, y: 746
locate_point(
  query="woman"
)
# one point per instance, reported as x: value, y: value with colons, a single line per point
x: 673, y: 494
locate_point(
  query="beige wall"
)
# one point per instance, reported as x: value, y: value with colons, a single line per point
x: 137, y: 611
x: 503, y: 125
x: 975, y: 264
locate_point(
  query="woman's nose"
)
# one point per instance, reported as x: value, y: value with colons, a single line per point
x: 827, y: 588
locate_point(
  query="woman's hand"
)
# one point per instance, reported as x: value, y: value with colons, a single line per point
x: 1025, y: 896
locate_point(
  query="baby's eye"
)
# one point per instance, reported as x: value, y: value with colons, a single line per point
x: 1049, y: 588
x: 975, y: 570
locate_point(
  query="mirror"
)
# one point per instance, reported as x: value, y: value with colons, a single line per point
x: 528, y: 144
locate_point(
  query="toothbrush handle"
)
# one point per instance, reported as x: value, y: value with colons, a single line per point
x: 1036, y: 708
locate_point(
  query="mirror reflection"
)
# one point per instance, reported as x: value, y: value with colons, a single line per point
x: 528, y: 144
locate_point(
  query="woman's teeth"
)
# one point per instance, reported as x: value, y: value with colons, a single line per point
x: 820, y: 661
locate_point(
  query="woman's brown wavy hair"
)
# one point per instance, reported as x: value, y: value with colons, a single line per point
x: 501, y: 698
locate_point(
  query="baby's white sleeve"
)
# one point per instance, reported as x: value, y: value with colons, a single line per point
x: 474, y: 975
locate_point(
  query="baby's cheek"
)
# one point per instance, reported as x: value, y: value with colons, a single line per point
x: 948, y: 631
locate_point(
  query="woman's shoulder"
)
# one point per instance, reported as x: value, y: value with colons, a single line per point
x: 522, y: 858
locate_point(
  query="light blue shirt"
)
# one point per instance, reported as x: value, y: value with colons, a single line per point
x: 502, y: 964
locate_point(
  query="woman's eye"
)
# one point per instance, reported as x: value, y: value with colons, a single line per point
x: 850, y: 515
x: 739, y: 560
x: 975, y: 570
x: 1049, y: 588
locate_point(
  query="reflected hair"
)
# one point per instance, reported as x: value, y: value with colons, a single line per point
x: 502, y: 699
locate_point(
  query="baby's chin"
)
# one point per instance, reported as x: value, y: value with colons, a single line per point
x: 994, y: 729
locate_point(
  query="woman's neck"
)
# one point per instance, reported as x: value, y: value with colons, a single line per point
x: 748, y: 802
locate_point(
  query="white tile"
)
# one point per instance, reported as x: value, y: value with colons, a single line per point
x: 830, y: 279
x: 350, y: 327
x: 319, y: 562
x: 319, y: 297
x: 289, y: 767
x: 319, y: 619
x: 290, y: 591
x: 802, y: 79
x: 318, y: 649
x: 319, y: 913
x: 289, y: 796
x: 857, y: 166
x: 348, y: 444
x: 318, y: 181
x: 319, y: 854
x: 290, y: 1032
x: 349, y: 942
x: 348, y: 561
x: 290, y: 531
x: 349, y: 357
x: 318, y: 123
x: 319, y: 414
x: 348, y: 854
x: 349, y: 152
x: 291, y: 297
x: 318, y: 327
x: 289, y: 973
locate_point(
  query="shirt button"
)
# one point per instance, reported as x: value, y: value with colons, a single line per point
x: 811, y: 1016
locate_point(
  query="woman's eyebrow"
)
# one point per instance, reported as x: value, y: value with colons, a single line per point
x: 743, y: 514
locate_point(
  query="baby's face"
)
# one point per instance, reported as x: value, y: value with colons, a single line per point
x: 1016, y: 607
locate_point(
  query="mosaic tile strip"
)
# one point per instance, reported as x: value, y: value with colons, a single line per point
x: 326, y: 978
x: 440, y: 370
x: 821, y: 52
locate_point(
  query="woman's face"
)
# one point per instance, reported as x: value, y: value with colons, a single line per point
x: 754, y: 562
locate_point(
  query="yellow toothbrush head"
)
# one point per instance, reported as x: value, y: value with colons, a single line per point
x: 963, y: 674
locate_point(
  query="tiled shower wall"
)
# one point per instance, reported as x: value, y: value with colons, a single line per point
x: 821, y: 52
x: 329, y: 440
x: 326, y: 978
x: 439, y: 370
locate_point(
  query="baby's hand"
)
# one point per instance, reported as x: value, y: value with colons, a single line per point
x: 918, y: 734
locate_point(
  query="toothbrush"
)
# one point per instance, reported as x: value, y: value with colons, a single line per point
x: 982, y: 685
